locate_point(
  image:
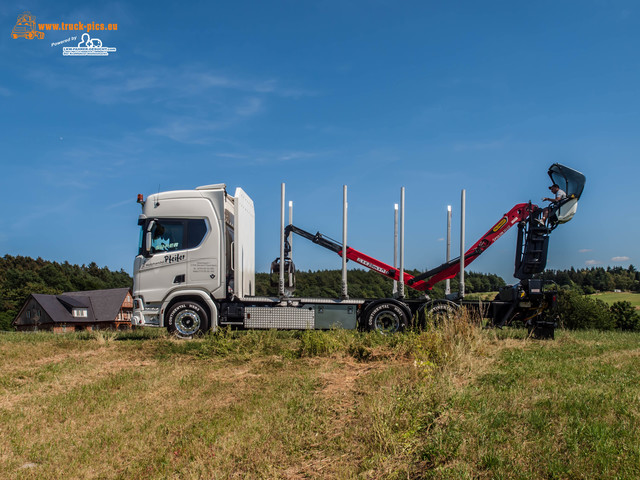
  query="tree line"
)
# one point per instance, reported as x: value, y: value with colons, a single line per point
x: 21, y: 276
x: 594, y: 279
x: 369, y: 284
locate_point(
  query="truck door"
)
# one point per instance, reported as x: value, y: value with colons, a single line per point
x: 203, y: 250
x: 165, y: 263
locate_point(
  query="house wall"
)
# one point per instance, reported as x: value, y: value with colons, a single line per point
x: 33, y: 317
x: 125, y: 313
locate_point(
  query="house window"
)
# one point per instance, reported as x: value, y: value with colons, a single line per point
x: 80, y: 312
x: 28, y: 314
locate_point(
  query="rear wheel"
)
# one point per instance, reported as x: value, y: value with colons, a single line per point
x: 435, y: 312
x: 385, y: 318
x: 187, y: 319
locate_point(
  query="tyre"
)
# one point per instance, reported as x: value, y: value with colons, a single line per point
x: 542, y: 330
x: 435, y: 312
x: 187, y: 319
x: 385, y: 318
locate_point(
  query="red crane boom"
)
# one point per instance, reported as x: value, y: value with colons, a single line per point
x: 425, y: 281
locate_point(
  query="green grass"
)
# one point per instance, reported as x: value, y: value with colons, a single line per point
x: 563, y: 409
x: 458, y: 402
x: 612, y: 297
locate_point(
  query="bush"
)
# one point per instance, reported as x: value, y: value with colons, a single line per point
x: 578, y: 312
x: 5, y: 320
x: 625, y: 316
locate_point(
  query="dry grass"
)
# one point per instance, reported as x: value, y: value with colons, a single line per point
x: 451, y: 402
x: 232, y: 405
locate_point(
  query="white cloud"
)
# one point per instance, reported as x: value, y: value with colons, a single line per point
x: 585, y: 250
x: 441, y: 239
x: 620, y: 259
x: 592, y: 262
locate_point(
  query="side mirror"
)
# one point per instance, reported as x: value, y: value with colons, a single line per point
x: 148, y: 239
x: 147, y: 245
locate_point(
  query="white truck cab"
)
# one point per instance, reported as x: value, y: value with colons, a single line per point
x: 196, y: 247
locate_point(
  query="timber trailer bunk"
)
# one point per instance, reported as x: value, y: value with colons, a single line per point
x: 195, y: 269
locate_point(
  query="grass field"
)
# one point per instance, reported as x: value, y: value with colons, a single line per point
x: 612, y: 297
x: 454, y: 403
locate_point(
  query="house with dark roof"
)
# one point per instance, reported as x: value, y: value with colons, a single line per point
x: 76, y: 311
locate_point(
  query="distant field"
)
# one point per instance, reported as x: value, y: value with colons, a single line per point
x: 456, y: 403
x: 612, y: 297
x: 484, y: 296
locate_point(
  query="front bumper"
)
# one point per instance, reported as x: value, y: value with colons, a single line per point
x: 145, y: 315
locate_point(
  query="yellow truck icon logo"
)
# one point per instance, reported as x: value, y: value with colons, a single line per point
x: 26, y: 27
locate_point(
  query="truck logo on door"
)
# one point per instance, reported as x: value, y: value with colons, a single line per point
x: 175, y: 258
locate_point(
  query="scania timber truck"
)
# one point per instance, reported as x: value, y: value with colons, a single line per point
x: 195, y: 268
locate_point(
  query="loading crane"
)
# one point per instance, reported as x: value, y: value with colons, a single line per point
x: 526, y: 300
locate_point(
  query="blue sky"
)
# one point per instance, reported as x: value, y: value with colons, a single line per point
x: 432, y: 96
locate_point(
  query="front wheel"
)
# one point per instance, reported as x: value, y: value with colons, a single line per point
x: 187, y: 319
x: 385, y: 318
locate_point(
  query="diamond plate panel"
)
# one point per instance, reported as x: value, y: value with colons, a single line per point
x: 285, y: 318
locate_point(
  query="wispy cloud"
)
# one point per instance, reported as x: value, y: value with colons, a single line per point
x: 585, y: 250
x: 186, y: 130
x: 129, y: 201
x: 5, y: 92
x: 262, y: 158
x: 620, y: 259
x: 166, y: 85
x: 475, y: 146
x: 592, y: 262
x: 200, y: 80
x: 249, y: 107
x: 52, y: 209
x: 253, y: 157
x: 235, y: 156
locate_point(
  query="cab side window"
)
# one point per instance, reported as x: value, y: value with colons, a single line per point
x: 196, y: 231
x: 167, y: 236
